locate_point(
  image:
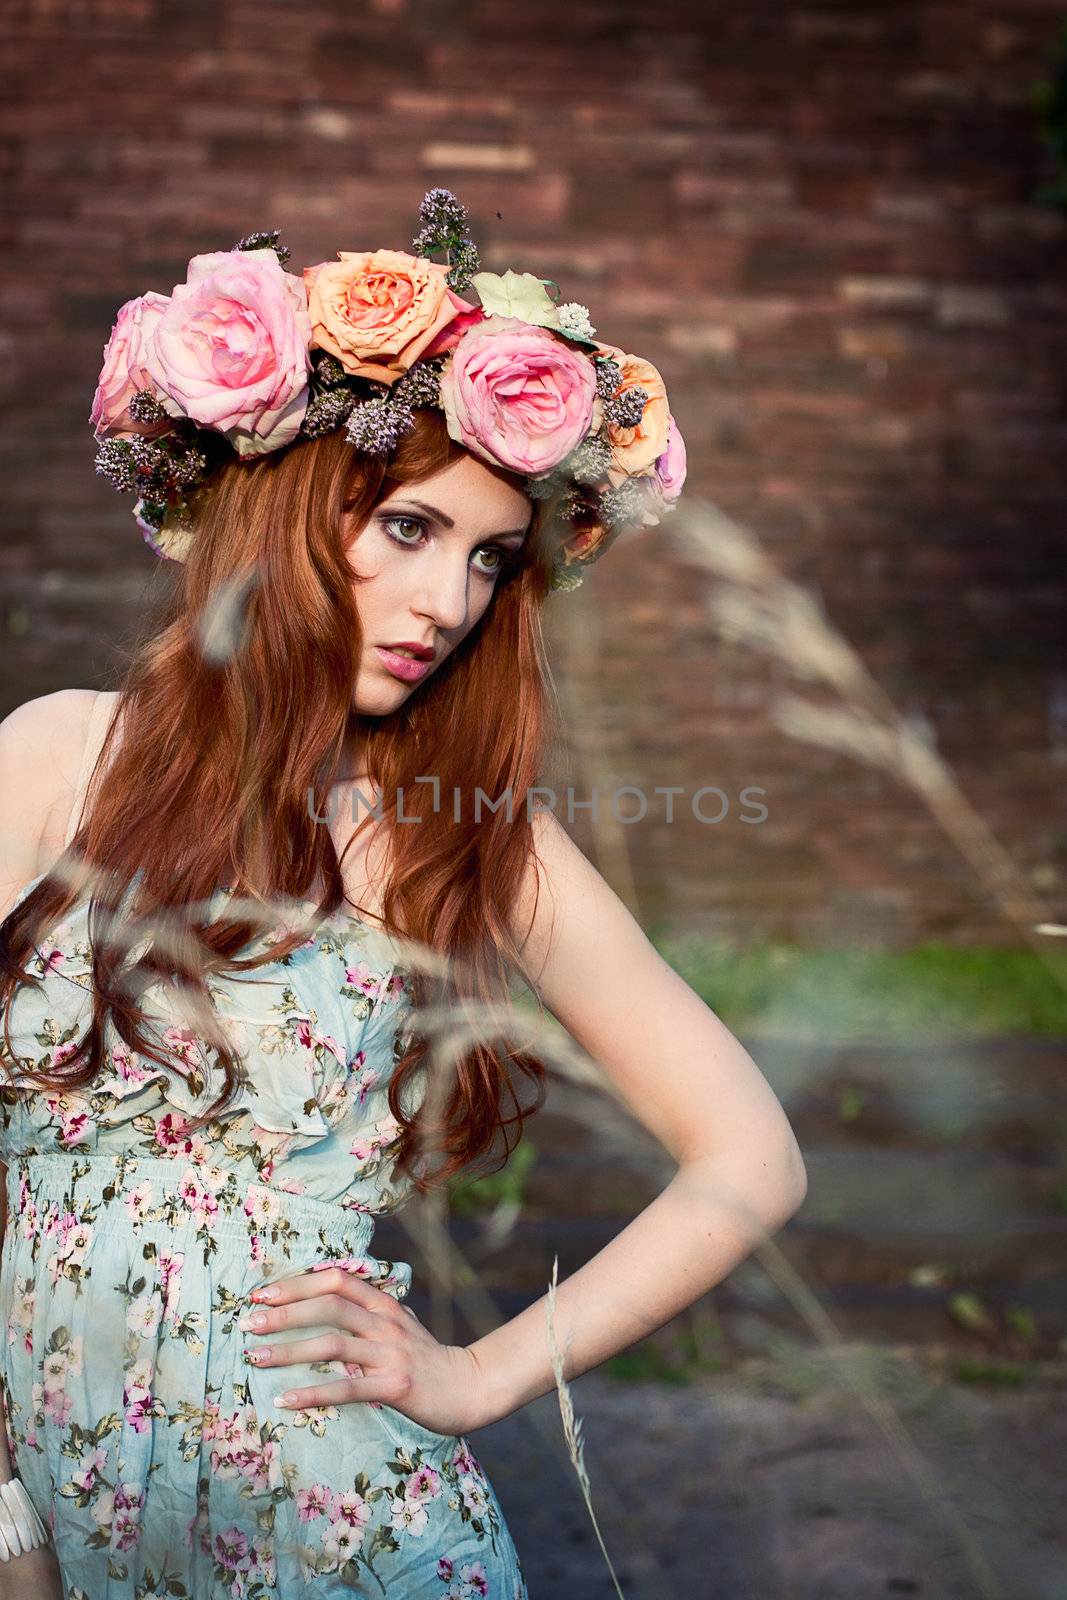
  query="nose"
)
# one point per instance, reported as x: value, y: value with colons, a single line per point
x: 445, y: 591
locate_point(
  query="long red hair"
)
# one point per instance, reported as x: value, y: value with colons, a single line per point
x: 246, y: 735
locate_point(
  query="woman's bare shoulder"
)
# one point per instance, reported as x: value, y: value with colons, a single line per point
x: 552, y: 879
x: 41, y: 747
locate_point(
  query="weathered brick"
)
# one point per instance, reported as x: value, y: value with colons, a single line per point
x: 817, y: 220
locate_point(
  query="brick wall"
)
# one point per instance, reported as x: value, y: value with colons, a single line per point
x: 817, y: 220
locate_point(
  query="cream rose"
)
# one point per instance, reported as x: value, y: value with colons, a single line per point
x: 635, y: 451
x: 377, y: 310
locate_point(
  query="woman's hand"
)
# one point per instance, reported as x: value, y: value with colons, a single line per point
x: 36, y: 1573
x: 388, y: 1354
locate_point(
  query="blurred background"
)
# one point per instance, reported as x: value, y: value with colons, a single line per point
x: 839, y: 231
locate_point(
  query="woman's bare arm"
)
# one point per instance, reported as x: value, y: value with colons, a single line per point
x: 691, y: 1083
x: 41, y: 746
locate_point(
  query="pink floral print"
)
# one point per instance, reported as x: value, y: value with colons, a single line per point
x: 134, y: 1240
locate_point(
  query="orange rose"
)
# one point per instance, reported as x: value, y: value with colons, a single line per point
x: 377, y: 310
x: 581, y: 548
x: 634, y: 451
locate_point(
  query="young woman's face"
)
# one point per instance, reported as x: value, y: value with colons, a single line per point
x: 427, y: 562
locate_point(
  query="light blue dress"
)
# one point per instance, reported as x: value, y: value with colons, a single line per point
x: 131, y: 1249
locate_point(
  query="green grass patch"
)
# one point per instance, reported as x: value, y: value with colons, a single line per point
x: 929, y: 990
x: 694, y: 1347
x: 471, y: 1196
x: 991, y: 1374
x: 646, y: 1363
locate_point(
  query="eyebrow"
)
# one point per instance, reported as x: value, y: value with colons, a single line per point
x: 446, y: 521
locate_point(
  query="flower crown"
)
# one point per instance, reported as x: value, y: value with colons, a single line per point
x: 244, y: 358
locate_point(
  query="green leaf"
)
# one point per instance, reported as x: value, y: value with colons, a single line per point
x: 516, y: 294
x: 969, y: 1312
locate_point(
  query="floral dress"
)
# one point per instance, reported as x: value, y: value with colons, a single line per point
x: 132, y: 1248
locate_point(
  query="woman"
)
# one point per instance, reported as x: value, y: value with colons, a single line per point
x: 210, y: 1384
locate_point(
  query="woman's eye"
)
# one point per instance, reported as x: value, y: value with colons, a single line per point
x: 499, y: 563
x: 391, y: 522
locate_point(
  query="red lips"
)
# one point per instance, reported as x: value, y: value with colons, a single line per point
x: 421, y: 652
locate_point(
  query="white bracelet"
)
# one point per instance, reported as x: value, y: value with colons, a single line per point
x: 21, y: 1529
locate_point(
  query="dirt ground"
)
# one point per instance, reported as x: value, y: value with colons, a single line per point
x: 934, y: 1233
x: 735, y: 1489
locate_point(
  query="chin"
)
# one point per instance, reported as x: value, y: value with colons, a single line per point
x: 379, y: 699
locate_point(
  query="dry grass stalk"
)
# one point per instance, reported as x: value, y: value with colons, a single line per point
x: 755, y: 603
x: 572, y: 1425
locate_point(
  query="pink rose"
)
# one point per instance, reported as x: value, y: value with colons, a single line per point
x: 450, y: 336
x: 378, y: 310
x: 671, y: 465
x: 231, y: 349
x: 517, y: 396
x: 123, y: 372
x: 663, y: 486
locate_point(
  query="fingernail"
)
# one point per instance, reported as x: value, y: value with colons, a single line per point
x: 286, y: 1399
x: 268, y: 1293
x: 257, y: 1358
x: 257, y: 1319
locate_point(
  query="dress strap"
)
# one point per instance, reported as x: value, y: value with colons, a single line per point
x: 96, y: 732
